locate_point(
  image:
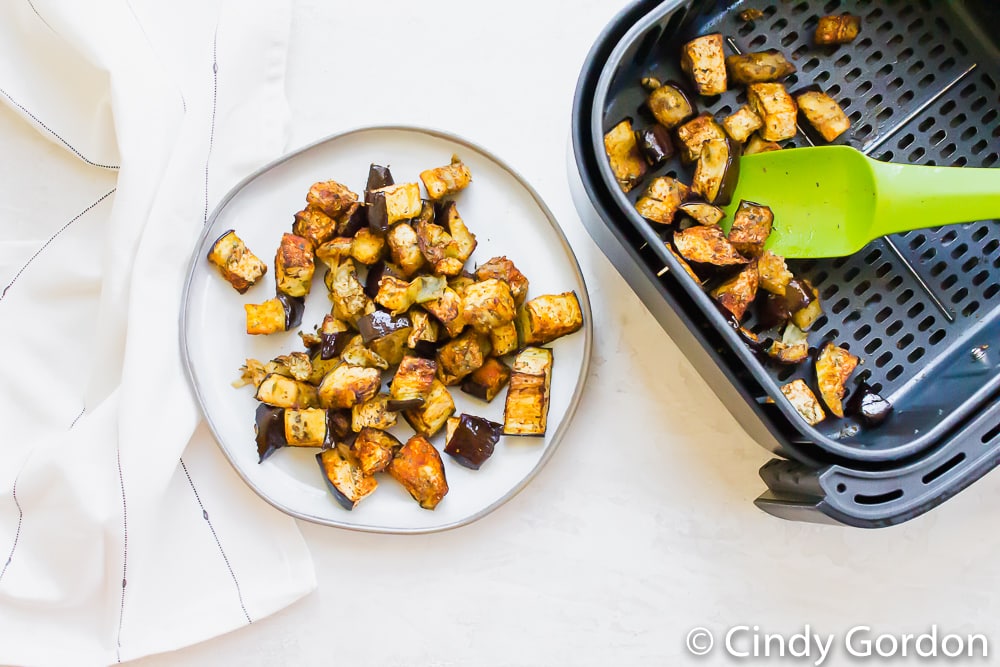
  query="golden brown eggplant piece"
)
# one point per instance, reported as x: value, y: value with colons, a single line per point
x: 281, y: 313
x: 737, y: 293
x: 504, y: 339
x: 527, y: 405
x: 445, y: 181
x: 834, y: 366
x: 347, y: 293
x: 793, y: 347
x: 684, y: 265
x: 717, y: 171
x: 412, y: 383
x: 804, y: 401
x: 776, y: 108
x: 432, y: 415
x: 375, y: 449
x: 774, y: 273
x: 332, y: 198
x: 503, y: 269
x: 346, y: 386
x: 670, y: 105
x: 284, y: 392
x: 294, y: 265
x: 373, y: 413
x: 751, y: 227
x: 662, y: 199
x: 448, y: 311
x: 405, y: 248
x: 758, y: 145
x: 805, y: 317
x: 704, y: 60
x: 702, y: 212
x: 488, y: 304
x: 463, y: 241
x: 623, y: 152
x: 693, y: 134
x: 548, y: 317
x: 305, y: 427
x: 707, y: 245
x: 761, y: 67
x: 418, y: 467
x: 837, y: 29
x: 235, y: 262
x: 402, y: 201
x: 462, y: 355
x: 741, y: 124
x: 345, y: 479
x: 824, y: 114
x: 312, y: 224
x: 486, y: 381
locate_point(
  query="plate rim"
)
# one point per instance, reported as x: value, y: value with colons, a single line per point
x: 585, y: 307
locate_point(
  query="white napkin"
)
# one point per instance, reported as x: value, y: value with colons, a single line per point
x: 123, y: 531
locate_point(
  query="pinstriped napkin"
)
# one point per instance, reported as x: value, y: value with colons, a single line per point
x: 123, y: 531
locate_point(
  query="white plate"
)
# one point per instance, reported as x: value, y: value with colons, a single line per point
x: 507, y: 217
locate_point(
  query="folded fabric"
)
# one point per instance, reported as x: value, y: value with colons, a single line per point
x: 123, y: 531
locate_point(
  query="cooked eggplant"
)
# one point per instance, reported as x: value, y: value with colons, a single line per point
x: 741, y: 124
x: 405, y: 248
x: 503, y: 269
x: 504, y: 339
x: 776, y: 309
x: 334, y: 334
x: 655, y: 145
x: 399, y: 295
x: 704, y: 60
x: 379, y: 323
x: 837, y: 29
x: 424, y: 329
x: 670, y: 105
x: 462, y: 355
x: 295, y: 365
x: 402, y: 201
x: 377, y: 212
x: 294, y: 265
x: 867, y: 406
x: 623, y: 152
x: 392, y: 347
x: 707, y: 245
x: 344, y: 477
x: 357, y: 354
x: 445, y: 181
x: 332, y: 198
x: 375, y: 274
x: 548, y: 317
x: 527, y: 405
x: 236, y: 263
x: 473, y: 441
x: 834, y: 366
x: 804, y: 317
x: 349, y: 225
x: 334, y: 250
x: 418, y: 467
x: 338, y: 427
x: 662, y: 199
x: 717, y: 171
x: 448, y: 311
x: 320, y: 366
x: 761, y: 67
x: 702, y: 212
x: 804, y: 401
x: 347, y: 293
x: 373, y: 413
x: 265, y: 318
x: 488, y: 304
x: 751, y: 227
x: 431, y: 416
x: 269, y: 426
x: 737, y: 293
x: 758, y: 145
x: 251, y: 372
x: 314, y: 225
x: 824, y: 114
x: 346, y: 386
x: 684, y: 265
x: 463, y: 241
x: 375, y: 449
x: 750, y: 15
x: 693, y: 134
x: 305, y: 427
x: 412, y: 383
x: 486, y: 381
x: 378, y: 177
x: 367, y: 247
x: 433, y: 240
x: 774, y: 274
x: 284, y: 392
x: 776, y: 108
x: 793, y: 347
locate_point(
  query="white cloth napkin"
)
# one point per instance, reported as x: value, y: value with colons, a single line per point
x: 123, y: 531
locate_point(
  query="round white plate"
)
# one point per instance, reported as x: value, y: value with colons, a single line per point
x: 507, y: 217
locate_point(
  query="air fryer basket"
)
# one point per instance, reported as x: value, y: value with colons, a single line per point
x: 920, y: 308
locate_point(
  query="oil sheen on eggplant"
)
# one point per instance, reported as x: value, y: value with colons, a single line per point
x: 655, y: 145
x: 379, y: 323
x: 473, y: 441
x: 294, y: 307
x: 867, y: 406
x: 774, y: 309
x: 269, y: 424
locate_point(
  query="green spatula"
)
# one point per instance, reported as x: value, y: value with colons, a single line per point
x: 831, y: 201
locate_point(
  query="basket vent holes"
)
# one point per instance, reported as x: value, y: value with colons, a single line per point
x: 878, y: 499
x: 873, y: 344
x: 883, y: 359
x: 943, y: 468
x: 991, y: 434
x: 926, y: 323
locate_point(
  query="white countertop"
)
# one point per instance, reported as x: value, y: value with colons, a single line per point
x: 642, y: 525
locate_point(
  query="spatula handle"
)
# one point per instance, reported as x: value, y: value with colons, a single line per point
x: 916, y: 197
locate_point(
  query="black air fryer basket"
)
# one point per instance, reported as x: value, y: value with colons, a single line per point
x: 921, y: 84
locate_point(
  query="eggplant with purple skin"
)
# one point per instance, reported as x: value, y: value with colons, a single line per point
x: 379, y: 323
x: 293, y: 308
x: 349, y: 225
x: 274, y: 315
x: 867, y: 406
x: 655, y: 145
x: 486, y: 381
x: 670, y: 105
x: 776, y: 309
x: 269, y: 425
x: 235, y: 262
x: 378, y: 177
x: 473, y: 441
x: 348, y: 484
x: 338, y: 427
x: 375, y: 274
x: 717, y: 171
x: 377, y: 212
x: 702, y: 212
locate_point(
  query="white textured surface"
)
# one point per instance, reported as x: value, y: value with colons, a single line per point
x: 641, y: 526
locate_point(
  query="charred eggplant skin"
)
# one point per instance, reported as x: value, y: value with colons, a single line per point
x: 269, y: 425
x: 473, y: 441
x: 294, y: 307
x: 379, y: 323
x: 378, y: 177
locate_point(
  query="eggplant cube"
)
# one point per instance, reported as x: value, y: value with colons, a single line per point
x: 314, y: 225
x: 824, y: 114
x: 774, y: 273
x: 412, y: 383
x: 623, y: 154
x: 751, y: 227
x: 693, y: 134
x: 804, y: 401
x: 418, y: 467
x: 707, y: 245
x: 504, y: 339
x: 806, y: 316
x: 332, y: 198
x: 758, y: 145
x: 375, y: 449
x: 269, y: 427
x: 717, y: 171
x: 472, y: 441
x: 503, y: 269
x: 235, y: 262
x: 405, y: 248
x: 366, y: 246
x: 705, y: 62
x: 305, y: 427
x: 737, y: 293
x: 760, y: 67
x: 346, y: 386
x: 527, y: 406
x: 265, y: 318
x: 432, y: 415
x: 670, y: 105
x: 284, y: 392
x: 448, y: 311
x: 548, y: 317
x: 488, y: 304
x: 402, y: 201
x: 463, y: 241
x: 294, y: 265
x: 346, y: 292
x: 424, y: 328
x: 344, y: 476
x: 460, y: 356
x: 394, y: 294
x: 373, y: 413
x: 662, y: 199
x: 486, y: 381
x: 776, y: 108
x: 834, y: 366
x: 837, y: 29
x: 444, y: 181
x: 741, y: 124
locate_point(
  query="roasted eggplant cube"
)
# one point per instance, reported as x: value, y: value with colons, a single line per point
x: 837, y: 29
x: 462, y: 355
x: 284, y: 392
x: 332, y: 252
x: 379, y: 323
x: 751, y: 227
x: 824, y: 114
x: 702, y: 212
x: 758, y: 145
x: 235, y: 261
x: 737, y: 293
x: 294, y: 265
x: 684, y: 265
x: 804, y: 401
x: 357, y: 354
x: 693, y: 134
x: 373, y: 413
x: 741, y: 124
x: 463, y: 241
x: 367, y: 247
x: 774, y: 273
x: 661, y: 200
x: 444, y: 181
x: 705, y: 62
x: 418, y: 467
x: 717, y: 171
x: 707, y: 245
x: 805, y: 317
x: 432, y: 415
x: 375, y: 449
x: 412, y: 383
x: 761, y: 67
x: 448, y: 311
x: 488, y: 304
x: 347, y: 293
x: 405, y: 248
x: 269, y: 428
x: 305, y: 427
x: 394, y: 294
x: 486, y: 381
x: 834, y: 366
x: 504, y: 339
x: 503, y: 269
x: 332, y: 198
x: 314, y: 225
x: 548, y: 317
x: 777, y: 309
x: 655, y: 145
x: 265, y: 318
x: 424, y: 330
x: 527, y: 406
x: 670, y: 105
x: 623, y: 152
x: 433, y: 241
x: 344, y: 477
x: 346, y: 386
x: 392, y: 347
x: 776, y: 108
x: 793, y: 348
x: 402, y: 201
x: 472, y: 441
x: 295, y: 365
